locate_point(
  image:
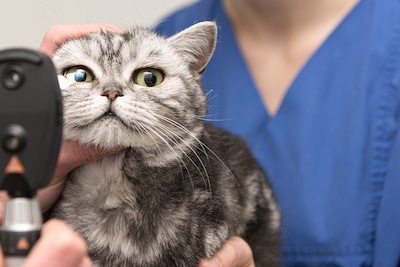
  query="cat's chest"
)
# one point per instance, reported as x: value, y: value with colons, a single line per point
x: 101, y: 182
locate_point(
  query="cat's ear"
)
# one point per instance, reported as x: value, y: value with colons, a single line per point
x: 197, y: 44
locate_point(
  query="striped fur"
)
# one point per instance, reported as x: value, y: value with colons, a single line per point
x: 181, y: 187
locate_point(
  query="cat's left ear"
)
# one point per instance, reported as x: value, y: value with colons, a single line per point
x: 197, y: 44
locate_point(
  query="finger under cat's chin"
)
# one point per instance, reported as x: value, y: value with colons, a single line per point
x: 74, y: 154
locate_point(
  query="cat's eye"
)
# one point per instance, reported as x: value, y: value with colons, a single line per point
x: 78, y: 74
x: 148, y: 77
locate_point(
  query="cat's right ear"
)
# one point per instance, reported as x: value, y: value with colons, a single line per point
x: 196, y: 44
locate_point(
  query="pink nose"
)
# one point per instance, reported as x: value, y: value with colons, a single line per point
x: 112, y: 95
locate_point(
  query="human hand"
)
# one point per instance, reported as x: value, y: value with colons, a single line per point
x: 234, y: 253
x: 58, y: 246
x: 61, y: 33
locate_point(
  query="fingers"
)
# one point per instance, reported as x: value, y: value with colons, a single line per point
x: 3, y: 199
x: 74, y: 154
x: 59, y: 246
x: 59, y: 34
x: 234, y: 253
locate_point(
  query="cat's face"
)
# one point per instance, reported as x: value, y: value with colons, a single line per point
x: 135, y: 89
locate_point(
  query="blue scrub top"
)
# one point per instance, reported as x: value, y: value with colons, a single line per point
x: 332, y: 151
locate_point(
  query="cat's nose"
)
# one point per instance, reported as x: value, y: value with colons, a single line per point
x: 112, y: 95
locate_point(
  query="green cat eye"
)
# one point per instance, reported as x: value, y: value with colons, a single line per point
x: 148, y: 77
x: 78, y: 74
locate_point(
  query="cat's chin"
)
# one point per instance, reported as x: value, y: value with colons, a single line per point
x: 107, y: 134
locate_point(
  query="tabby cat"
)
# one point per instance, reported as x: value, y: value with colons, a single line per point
x: 181, y: 187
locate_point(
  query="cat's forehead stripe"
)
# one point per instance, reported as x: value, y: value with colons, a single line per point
x: 113, y: 49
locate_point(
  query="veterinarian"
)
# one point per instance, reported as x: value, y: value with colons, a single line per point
x: 313, y: 86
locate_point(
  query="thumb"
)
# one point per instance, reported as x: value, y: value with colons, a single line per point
x: 59, y: 246
x: 234, y: 253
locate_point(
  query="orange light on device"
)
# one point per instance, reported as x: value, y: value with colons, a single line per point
x: 14, y: 166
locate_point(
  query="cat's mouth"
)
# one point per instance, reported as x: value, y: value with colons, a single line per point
x: 110, y: 116
x: 109, y: 113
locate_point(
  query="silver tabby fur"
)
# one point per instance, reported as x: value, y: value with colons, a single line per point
x: 181, y: 187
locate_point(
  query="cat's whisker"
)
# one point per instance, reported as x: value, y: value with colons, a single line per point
x: 165, y: 130
x: 213, y: 120
x: 206, y: 178
x: 183, y: 129
x: 148, y: 134
x: 204, y: 146
x: 161, y: 135
x: 143, y: 122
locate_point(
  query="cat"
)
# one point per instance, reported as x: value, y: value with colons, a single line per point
x: 182, y: 186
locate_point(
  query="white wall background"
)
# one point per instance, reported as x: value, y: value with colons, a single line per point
x: 23, y: 23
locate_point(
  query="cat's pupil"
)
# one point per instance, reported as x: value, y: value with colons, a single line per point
x: 149, y: 78
x: 80, y: 75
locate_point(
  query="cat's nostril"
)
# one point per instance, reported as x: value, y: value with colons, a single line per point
x: 112, y: 95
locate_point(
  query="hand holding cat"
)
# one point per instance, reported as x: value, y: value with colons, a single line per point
x: 58, y: 34
x: 234, y: 253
